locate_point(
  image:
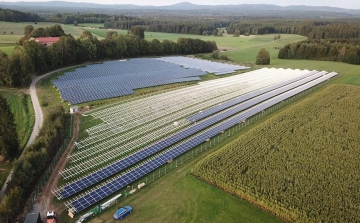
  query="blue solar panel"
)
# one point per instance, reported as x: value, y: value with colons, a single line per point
x: 205, y: 113
x: 119, y: 78
x: 115, y: 185
x: 112, y: 169
x: 205, y: 65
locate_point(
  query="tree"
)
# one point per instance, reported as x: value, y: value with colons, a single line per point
x: 155, y: 47
x: 19, y: 69
x: 9, y: 143
x: 215, y: 54
x: 237, y: 33
x: 4, y: 61
x: 75, y: 23
x: 137, y: 31
x: 215, y: 32
x: 111, y: 34
x: 263, y: 57
x: 27, y: 31
x: 11, y: 203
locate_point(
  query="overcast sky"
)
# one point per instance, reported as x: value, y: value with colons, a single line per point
x: 349, y: 4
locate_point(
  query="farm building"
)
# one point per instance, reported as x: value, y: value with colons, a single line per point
x: 46, y: 41
x: 33, y: 218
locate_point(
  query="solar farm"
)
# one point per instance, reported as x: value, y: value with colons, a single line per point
x: 136, y: 137
x: 121, y: 77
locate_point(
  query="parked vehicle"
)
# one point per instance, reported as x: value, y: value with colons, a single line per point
x: 50, y: 217
x: 122, y: 212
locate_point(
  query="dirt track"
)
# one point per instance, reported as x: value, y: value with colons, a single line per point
x: 45, y: 199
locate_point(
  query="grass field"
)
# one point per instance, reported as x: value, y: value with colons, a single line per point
x: 294, y: 163
x: 90, y: 24
x: 18, y: 28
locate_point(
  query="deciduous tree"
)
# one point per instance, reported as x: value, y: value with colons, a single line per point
x: 263, y: 57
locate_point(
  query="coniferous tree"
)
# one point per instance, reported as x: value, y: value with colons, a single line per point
x: 9, y: 142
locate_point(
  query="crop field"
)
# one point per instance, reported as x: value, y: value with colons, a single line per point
x: 294, y: 163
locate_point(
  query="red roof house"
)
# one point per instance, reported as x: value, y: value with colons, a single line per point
x: 47, y: 41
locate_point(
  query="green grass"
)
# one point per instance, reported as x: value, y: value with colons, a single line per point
x: 8, y: 50
x: 18, y: 28
x: 180, y: 197
x: 90, y: 24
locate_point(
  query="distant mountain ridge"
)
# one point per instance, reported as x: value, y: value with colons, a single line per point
x: 231, y: 9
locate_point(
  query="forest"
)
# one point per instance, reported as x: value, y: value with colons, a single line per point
x: 313, y: 29
x: 342, y: 50
x: 9, y: 15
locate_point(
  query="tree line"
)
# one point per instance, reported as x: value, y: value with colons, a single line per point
x: 167, y: 25
x: 341, y: 50
x: 16, y: 69
x: 70, y: 18
x: 9, y: 15
x: 9, y: 143
x: 29, y: 168
x: 313, y: 29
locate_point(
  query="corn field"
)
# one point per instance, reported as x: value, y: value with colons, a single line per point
x: 303, y: 163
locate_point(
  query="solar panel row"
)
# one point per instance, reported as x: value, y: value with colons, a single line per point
x: 112, y: 169
x: 205, y: 65
x: 205, y: 113
x: 129, y: 177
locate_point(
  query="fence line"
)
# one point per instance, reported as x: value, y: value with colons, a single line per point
x: 45, y: 177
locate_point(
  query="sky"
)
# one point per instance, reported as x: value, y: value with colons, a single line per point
x: 348, y: 4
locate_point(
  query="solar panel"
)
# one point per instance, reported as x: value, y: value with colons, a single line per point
x: 210, y: 111
x: 205, y: 65
x: 132, y: 159
x: 90, y: 198
x: 120, y: 78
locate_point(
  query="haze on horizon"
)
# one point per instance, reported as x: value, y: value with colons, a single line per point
x: 347, y: 4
